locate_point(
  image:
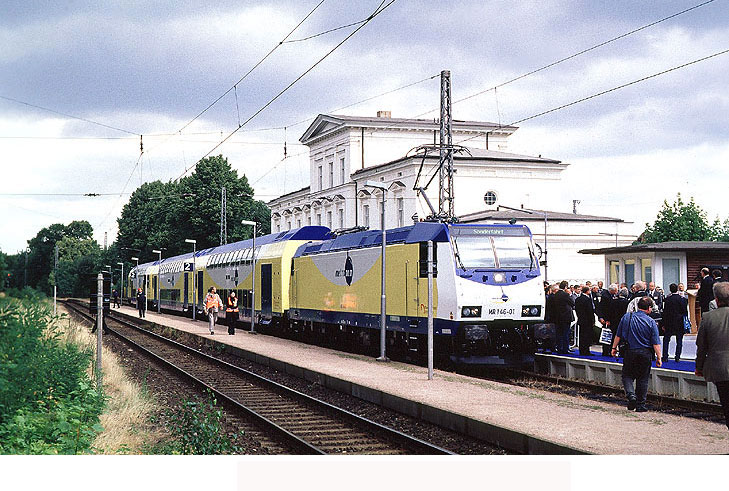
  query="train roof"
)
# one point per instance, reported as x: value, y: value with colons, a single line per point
x: 309, y: 232
x: 419, y: 232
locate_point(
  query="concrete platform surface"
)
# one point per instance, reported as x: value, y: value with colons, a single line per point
x: 523, y: 419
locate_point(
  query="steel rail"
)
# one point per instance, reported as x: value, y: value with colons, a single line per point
x: 391, y: 434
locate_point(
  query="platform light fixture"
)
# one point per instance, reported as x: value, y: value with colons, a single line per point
x: 253, y: 273
x: 194, y: 273
x: 122, y: 281
x: 159, y: 300
x: 383, y: 300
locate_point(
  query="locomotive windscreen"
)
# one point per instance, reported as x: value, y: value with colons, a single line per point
x: 493, y: 247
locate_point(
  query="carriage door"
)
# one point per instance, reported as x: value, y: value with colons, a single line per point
x: 185, y: 297
x: 200, y: 289
x: 266, y: 288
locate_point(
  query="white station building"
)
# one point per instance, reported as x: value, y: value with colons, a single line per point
x: 345, y: 152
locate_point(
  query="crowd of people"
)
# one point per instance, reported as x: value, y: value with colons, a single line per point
x: 636, y: 318
x: 587, y: 301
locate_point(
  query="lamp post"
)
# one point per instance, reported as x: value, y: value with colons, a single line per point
x: 383, y: 300
x: 122, y: 282
x: 194, y: 272
x: 159, y: 268
x: 253, y: 273
x: 136, y: 274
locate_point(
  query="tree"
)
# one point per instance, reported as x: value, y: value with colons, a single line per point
x: 78, y: 260
x: 162, y: 215
x: 41, y: 252
x: 679, y: 221
x: 4, y: 271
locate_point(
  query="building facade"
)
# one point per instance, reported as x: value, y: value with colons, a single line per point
x: 346, y: 152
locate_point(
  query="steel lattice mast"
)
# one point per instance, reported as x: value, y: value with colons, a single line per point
x: 445, y: 205
x: 223, y: 217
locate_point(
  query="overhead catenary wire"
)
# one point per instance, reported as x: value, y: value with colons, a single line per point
x: 593, y: 96
x: 271, y: 51
x: 66, y: 115
x: 574, y: 55
x: 381, y: 8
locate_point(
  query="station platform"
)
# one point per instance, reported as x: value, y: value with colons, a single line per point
x: 529, y: 421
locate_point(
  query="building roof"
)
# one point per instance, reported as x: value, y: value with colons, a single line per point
x: 476, y: 154
x: 537, y: 215
x: 327, y: 123
x: 671, y: 246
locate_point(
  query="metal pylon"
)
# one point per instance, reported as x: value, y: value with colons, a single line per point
x: 223, y: 217
x: 445, y: 201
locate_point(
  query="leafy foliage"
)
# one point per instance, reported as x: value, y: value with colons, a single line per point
x: 681, y: 221
x: 162, y: 215
x: 48, y: 404
x: 196, y: 428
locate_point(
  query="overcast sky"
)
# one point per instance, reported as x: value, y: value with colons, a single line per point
x: 145, y: 67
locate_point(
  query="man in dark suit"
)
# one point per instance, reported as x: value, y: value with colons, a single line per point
x: 563, y: 306
x: 615, y: 311
x: 585, y: 310
x: 705, y: 294
x: 712, y: 346
x: 674, y: 310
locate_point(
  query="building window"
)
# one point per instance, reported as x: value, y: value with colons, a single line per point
x: 366, y: 215
x: 382, y: 216
x: 490, y: 198
x: 278, y: 227
x: 615, y: 272
x: 308, y: 220
x: 341, y: 168
x: 400, y: 212
x: 671, y: 272
x: 321, y: 182
x: 630, y: 272
x: 646, y: 270
x: 298, y: 223
x: 331, y: 174
x: 341, y: 217
x: 288, y: 225
x: 329, y: 219
x: 318, y: 218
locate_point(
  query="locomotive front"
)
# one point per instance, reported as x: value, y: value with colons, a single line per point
x: 499, y: 293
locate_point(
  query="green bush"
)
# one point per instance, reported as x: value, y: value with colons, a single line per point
x: 48, y: 404
x: 196, y: 428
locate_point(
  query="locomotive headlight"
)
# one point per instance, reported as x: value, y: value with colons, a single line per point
x: 471, y: 312
x: 499, y: 277
x: 531, y: 310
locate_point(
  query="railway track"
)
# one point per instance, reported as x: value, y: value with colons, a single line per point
x: 605, y: 393
x: 307, y: 425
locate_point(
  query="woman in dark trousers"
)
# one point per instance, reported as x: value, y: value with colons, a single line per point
x: 231, y: 312
x: 141, y: 302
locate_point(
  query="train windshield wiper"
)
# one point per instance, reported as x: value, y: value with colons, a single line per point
x: 456, y: 253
